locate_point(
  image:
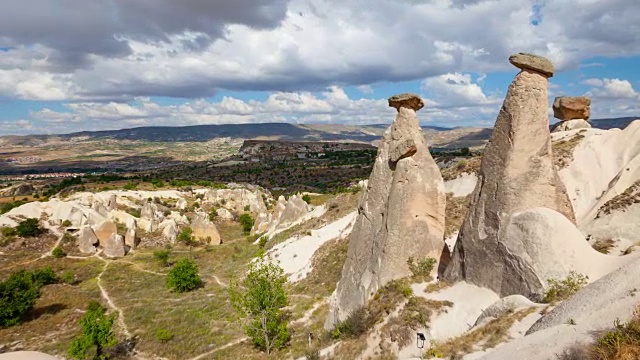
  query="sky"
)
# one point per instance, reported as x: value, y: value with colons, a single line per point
x: 69, y: 66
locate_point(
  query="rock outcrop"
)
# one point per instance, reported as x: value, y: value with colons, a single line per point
x: 517, y: 174
x: 535, y: 63
x: 204, y: 230
x: 114, y: 246
x: 87, y: 240
x: 400, y: 215
x: 572, y: 108
x: 571, y: 125
x: 105, y: 230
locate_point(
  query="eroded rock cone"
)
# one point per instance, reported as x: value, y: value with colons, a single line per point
x: 401, y: 214
x: 517, y: 174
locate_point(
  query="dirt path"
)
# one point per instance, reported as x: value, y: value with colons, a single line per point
x: 233, y: 343
x: 105, y: 295
x: 307, y: 315
x: 137, y: 266
x: 53, y: 230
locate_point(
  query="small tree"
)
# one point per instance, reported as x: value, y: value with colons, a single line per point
x: 97, y: 334
x: 19, y: 293
x: 261, y: 297
x: 247, y: 223
x: 184, y: 276
x: 307, y: 198
x: 67, y: 223
x: 29, y: 228
x: 186, y: 237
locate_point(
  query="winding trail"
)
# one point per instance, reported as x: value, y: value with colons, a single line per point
x: 137, y: 266
x: 56, y: 232
x: 113, y: 306
x: 233, y: 343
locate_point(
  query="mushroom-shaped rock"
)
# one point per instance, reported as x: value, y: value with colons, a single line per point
x: 533, y: 62
x: 572, y: 107
x: 114, y: 246
x: 400, y: 215
x: 409, y: 101
x: 517, y: 174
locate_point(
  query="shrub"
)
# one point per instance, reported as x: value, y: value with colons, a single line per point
x: 563, y: 289
x: 247, y: 223
x: 184, y: 276
x: 97, y: 334
x: 307, y: 199
x: 247, y: 208
x: 162, y: 256
x: 67, y: 223
x: 68, y: 277
x: 134, y: 212
x: 131, y: 186
x: 313, y: 354
x: 19, y: 293
x: 29, y: 228
x: 186, y: 236
x: 263, y: 241
x: 358, y: 322
x: 213, y: 214
x: 163, y: 335
x: 58, y: 253
x: 421, y: 269
x: 8, y: 232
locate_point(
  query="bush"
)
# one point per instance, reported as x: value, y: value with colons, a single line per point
x: 213, y: 214
x: 355, y: 325
x: 67, y: 223
x: 162, y: 256
x: 29, y: 228
x: 186, y: 236
x: 19, y: 293
x: 58, y: 253
x: 563, y: 289
x: 163, y: 335
x: 421, y: 269
x: 184, y: 276
x: 306, y: 199
x: 247, y: 208
x: 313, y: 354
x: 263, y: 241
x: 131, y: 186
x: 8, y: 232
x: 247, y: 223
x: 97, y: 334
x: 68, y: 277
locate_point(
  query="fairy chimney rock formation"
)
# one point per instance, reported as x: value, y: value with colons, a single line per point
x: 572, y: 108
x: 400, y: 215
x: 517, y: 174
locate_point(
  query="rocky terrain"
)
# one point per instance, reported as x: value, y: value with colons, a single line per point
x: 527, y: 250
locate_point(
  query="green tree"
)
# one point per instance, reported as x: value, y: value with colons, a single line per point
x: 184, y: 276
x: 58, y: 253
x: 29, y: 228
x: 261, y: 297
x: 247, y: 223
x: 19, y: 293
x: 97, y: 334
x: 307, y: 198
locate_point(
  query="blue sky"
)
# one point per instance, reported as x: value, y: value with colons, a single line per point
x: 308, y: 61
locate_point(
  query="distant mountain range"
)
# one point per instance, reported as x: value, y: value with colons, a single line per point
x: 438, y: 136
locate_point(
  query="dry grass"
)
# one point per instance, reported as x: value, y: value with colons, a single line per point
x: 604, y: 246
x: 435, y: 287
x: 622, y: 201
x: 469, y: 166
x: 455, y: 213
x: 415, y: 314
x: 620, y: 343
x: 563, y: 150
x: 486, y: 337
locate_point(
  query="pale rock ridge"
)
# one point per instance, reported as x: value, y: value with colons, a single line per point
x: 517, y: 174
x: 236, y: 200
x: 401, y: 214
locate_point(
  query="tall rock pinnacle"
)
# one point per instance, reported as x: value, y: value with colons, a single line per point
x: 517, y: 174
x: 400, y: 215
